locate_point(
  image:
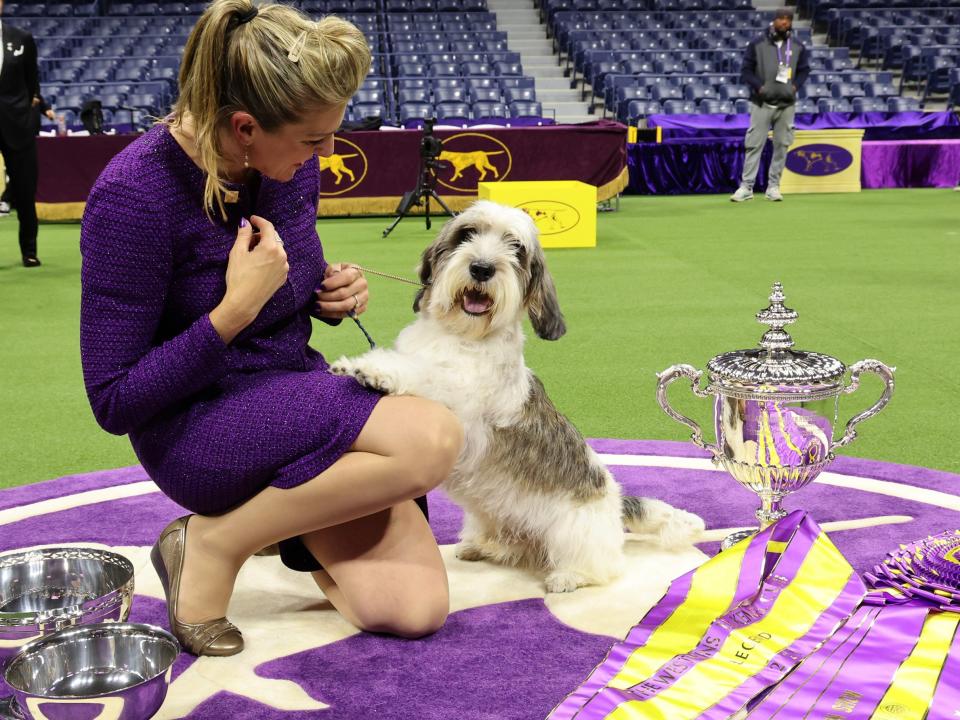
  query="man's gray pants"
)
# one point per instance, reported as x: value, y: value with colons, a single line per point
x: 761, y: 119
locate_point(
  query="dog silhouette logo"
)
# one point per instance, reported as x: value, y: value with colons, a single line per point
x: 343, y: 169
x: 470, y: 158
x: 819, y: 160
x: 550, y: 216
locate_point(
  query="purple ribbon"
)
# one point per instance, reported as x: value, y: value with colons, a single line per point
x: 849, y: 675
x: 946, y: 697
x: 758, y: 586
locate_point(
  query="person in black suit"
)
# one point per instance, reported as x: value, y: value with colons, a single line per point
x: 40, y: 107
x: 19, y: 86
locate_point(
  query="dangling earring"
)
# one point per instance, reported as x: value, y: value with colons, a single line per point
x: 246, y: 158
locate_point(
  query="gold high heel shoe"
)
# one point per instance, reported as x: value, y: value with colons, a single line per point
x: 218, y: 637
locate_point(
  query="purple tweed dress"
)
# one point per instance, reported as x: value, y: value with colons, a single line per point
x: 212, y: 424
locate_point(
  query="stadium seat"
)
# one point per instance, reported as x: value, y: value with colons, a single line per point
x: 482, y: 110
x: 903, y: 104
x: 413, y: 95
x: 522, y: 108
x: 679, y: 107
x: 449, y: 94
x: 869, y: 104
x: 415, y: 111
x: 485, y: 94
x: 715, y: 107
x: 453, y: 110
x: 511, y: 95
x: 637, y: 109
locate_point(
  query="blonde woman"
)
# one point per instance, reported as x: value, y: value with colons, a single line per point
x: 201, y: 269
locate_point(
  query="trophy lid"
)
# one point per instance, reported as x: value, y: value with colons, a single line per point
x: 775, y: 367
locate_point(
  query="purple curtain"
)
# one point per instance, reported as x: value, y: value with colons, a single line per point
x: 684, y: 167
x: 713, y: 165
x: 876, y: 125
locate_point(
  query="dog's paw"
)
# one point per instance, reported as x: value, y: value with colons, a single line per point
x: 343, y: 366
x: 365, y: 374
x: 469, y: 552
x: 684, y: 528
x: 561, y: 581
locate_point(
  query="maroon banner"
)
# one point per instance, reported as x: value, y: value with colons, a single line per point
x: 370, y: 171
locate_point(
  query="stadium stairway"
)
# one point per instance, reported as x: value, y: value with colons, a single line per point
x: 526, y: 35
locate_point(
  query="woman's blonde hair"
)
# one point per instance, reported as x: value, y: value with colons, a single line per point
x: 271, y: 61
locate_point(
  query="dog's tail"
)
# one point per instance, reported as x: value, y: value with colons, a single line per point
x: 666, y: 525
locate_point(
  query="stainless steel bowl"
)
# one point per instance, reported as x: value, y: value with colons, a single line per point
x: 49, y: 589
x: 111, y: 671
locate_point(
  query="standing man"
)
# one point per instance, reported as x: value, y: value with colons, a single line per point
x: 19, y: 86
x: 40, y: 107
x: 775, y: 66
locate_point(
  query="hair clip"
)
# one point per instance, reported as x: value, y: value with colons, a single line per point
x: 297, y: 48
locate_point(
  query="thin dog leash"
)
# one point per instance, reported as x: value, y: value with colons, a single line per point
x: 353, y: 314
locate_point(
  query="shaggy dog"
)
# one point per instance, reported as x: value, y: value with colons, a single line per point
x: 533, y: 492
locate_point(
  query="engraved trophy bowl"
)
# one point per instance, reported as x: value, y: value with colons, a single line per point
x: 774, y: 411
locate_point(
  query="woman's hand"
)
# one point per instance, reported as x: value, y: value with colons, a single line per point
x: 256, y: 269
x: 342, y: 292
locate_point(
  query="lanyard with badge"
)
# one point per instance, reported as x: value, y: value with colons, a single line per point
x: 784, y: 71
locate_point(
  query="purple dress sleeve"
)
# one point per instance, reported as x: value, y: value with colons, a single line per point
x: 126, y: 271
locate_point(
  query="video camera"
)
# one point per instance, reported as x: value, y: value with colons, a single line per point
x: 430, y: 146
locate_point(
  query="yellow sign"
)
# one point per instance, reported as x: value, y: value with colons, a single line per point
x: 565, y: 211
x: 343, y: 169
x: 823, y: 161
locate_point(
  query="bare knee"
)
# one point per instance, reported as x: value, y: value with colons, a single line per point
x: 413, y: 617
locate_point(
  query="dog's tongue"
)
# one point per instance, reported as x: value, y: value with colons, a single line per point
x: 475, y: 302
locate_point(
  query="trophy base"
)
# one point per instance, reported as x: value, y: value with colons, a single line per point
x: 733, y: 538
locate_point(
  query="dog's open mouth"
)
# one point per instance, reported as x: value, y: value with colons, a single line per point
x: 476, y: 302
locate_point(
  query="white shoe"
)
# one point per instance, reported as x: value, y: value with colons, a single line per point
x: 773, y: 193
x: 4, y: 208
x: 742, y: 194
x: 957, y: 188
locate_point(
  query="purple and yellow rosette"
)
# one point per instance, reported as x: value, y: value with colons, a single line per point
x: 926, y: 570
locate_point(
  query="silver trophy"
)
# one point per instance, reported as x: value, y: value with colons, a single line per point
x: 774, y: 411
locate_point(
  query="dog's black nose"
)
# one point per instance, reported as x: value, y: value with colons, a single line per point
x: 481, y: 271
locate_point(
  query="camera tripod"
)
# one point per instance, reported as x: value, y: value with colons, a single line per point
x: 421, y: 194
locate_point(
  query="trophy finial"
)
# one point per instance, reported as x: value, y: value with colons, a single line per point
x: 777, y: 315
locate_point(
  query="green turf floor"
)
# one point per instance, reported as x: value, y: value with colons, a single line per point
x: 671, y: 280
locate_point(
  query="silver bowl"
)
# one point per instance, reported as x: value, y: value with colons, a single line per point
x: 49, y: 589
x: 111, y: 671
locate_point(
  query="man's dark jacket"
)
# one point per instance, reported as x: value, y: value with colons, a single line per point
x: 760, y: 62
x: 19, y: 82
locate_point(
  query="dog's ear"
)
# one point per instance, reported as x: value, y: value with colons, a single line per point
x: 542, y: 303
x: 425, y: 271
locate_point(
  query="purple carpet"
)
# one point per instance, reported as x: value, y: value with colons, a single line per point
x: 511, y: 660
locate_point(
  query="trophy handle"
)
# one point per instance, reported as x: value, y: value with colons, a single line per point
x: 874, y: 366
x: 668, y: 376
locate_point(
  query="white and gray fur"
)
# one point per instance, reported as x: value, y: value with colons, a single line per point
x: 533, y: 492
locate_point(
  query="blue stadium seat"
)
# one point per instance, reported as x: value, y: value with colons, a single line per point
x: 485, y: 94
x: 414, y: 111
x: 715, y: 107
x: 506, y: 68
x: 663, y: 92
x: 700, y: 91
x: 483, y: 110
x: 847, y: 90
x: 742, y: 105
x: 879, y: 90
x: 523, y: 108
x: 903, y: 104
x: 679, y: 107
x: 450, y: 94
x: 834, y: 105
x: 511, y: 95
x: 413, y: 95
x: 453, y: 110
x: 476, y: 68
x: 869, y: 104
